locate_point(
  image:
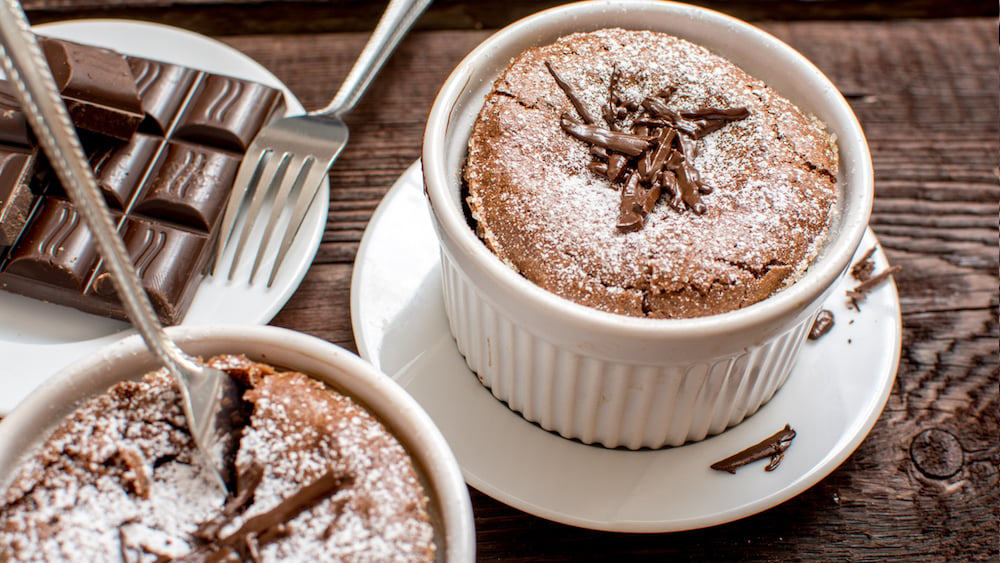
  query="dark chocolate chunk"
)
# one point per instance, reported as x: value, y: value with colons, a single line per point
x: 97, y: 86
x: 166, y: 192
x: 574, y: 98
x: 163, y: 88
x: 182, y: 185
x: 617, y: 141
x: 16, y: 197
x: 14, y: 129
x: 226, y: 112
x: 120, y: 169
x: 165, y: 258
x: 822, y: 325
x: 56, y: 251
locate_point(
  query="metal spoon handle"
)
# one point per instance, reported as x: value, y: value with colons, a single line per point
x: 26, y: 67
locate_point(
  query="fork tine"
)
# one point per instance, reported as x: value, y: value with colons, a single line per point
x: 273, y: 170
x: 246, y: 181
x: 310, y: 187
x: 290, y: 184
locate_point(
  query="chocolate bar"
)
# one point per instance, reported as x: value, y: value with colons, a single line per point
x: 167, y: 182
x: 97, y: 87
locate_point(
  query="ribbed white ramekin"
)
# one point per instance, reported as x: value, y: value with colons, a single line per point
x: 605, y: 378
x: 450, y: 508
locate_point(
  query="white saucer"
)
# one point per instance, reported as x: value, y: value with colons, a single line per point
x: 832, y: 399
x: 38, y: 339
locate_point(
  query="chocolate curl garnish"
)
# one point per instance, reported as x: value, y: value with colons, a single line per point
x: 616, y: 166
x: 773, y: 446
x: 653, y: 161
x: 610, y: 109
x: 630, y: 216
x: 668, y: 181
x: 617, y: 141
x: 574, y: 99
x: 659, y: 109
x: 713, y: 119
x: 689, y: 190
x: 269, y: 525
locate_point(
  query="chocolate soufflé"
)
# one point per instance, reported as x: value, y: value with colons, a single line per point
x: 318, y: 478
x: 637, y: 173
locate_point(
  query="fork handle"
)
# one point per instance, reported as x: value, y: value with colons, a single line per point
x: 399, y: 16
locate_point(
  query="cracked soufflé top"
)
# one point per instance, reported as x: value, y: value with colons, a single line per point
x: 318, y: 478
x: 638, y: 173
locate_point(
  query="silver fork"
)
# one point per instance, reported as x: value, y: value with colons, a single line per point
x: 209, y: 397
x: 289, y: 159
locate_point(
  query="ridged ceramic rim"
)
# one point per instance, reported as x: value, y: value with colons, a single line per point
x: 35, y: 417
x: 729, y: 36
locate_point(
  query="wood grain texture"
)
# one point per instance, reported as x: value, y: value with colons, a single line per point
x: 925, y: 484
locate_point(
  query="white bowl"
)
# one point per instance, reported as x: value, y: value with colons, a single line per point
x: 610, y: 379
x: 450, y: 508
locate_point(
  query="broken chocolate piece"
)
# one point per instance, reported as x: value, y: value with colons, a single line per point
x: 625, y: 143
x: 14, y: 129
x: 821, y: 325
x: 773, y: 447
x: 16, y: 198
x: 97, y: 86
x: 574, y: 98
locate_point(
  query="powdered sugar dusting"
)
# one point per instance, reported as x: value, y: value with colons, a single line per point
x: 118, y: 477
x: 542, y: 211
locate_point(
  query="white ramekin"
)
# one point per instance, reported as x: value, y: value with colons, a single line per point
x: 450, y: 508
x: 609, y: 379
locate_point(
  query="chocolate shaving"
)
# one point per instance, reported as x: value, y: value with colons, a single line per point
x: 246, y: 487
x: 773, y: 447
x: 572, y: 95
x: 267, y: 526
x: 821, y: 325
x: 625, y: 143
x: 861, y: 290
x: 863, y: 268
x: 649, y: 155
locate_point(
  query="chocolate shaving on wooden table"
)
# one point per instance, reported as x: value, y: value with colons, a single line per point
x: 773, y: 447
x: 651, y: 157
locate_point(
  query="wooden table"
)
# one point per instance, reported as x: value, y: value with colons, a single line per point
x: 923, y: 79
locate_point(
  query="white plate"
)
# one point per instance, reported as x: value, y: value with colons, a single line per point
x: 37, y: 339
x: 832, y: 399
